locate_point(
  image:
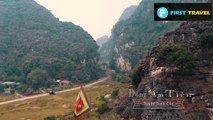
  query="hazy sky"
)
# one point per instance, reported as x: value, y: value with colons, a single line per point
x: 95, y: 16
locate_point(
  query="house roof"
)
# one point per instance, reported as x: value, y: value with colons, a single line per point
x: 8, y: 83
x: 64, y: 81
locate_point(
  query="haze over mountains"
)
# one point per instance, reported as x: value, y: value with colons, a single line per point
x: 36, y: 49
x: 132, y: 38
x: 106, y: 49
x: 100, y: 41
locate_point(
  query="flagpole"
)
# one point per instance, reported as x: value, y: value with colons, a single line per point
x: 86, y: 101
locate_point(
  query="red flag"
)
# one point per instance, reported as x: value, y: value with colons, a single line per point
x: 83, y: 104
x: 80, y: 104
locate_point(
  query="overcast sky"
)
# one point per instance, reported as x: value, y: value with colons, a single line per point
x: 95, y: 16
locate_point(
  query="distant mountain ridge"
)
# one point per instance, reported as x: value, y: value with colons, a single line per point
x: 100, y: 41
x: 106, y: 49
x: 127, y: 13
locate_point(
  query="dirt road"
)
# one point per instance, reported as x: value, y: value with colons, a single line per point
x: 46, y: 94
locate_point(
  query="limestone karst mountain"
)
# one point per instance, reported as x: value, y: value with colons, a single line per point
x: 32, y: 40
x: 134, y: 37
x: 181, y: 60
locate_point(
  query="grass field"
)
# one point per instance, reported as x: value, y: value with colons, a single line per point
x: 7, y: 97
x: 60, y: 104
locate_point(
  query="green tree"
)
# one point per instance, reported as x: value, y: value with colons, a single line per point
x: 112, y: 64
x: 38, y: 77
x: 136, y: 79
x: 30, y: 66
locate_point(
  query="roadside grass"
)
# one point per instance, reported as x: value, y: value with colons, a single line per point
x: 60, y: 104
x: 7, y: 97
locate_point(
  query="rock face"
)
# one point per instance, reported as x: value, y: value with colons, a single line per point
x: 134, y: 36
x: 106, y: 48
x: 141, y: 30
x: 157, y: 78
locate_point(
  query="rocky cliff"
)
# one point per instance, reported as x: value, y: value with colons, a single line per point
x: 106, y: 49
x: 187, y: 70
x: 133, y: 37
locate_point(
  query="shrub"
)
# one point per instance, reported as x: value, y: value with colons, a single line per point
x: 173, y: 55
x: 103, y: 109
x: 136, y: 79
x: 206, y: 40
x: 50, y: 118
x: 115, y: 93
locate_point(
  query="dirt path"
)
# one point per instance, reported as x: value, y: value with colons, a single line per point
x: 46, y: 94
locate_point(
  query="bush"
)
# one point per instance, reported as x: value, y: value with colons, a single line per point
x: 50, y: 118
x: 115, y: 93
x: 173, y: 55
x: 103, y: 109
x: 122, y: 78
x: 22, y: 88
x: 136, y: 79
x: 206, y: 40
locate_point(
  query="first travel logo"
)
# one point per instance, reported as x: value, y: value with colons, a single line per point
x: 183, y: 11
x: 162, y: 12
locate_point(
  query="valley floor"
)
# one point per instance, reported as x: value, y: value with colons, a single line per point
x: 37, y: 108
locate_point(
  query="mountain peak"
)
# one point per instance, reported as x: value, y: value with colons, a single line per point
x: 128, y: 12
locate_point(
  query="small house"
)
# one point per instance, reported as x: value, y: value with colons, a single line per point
x: 63, y: 82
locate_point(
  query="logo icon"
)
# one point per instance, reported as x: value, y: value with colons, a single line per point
x: 162, y: 12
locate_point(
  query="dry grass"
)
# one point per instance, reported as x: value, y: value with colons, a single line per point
x: 60, y: 104
x: 6, y: 97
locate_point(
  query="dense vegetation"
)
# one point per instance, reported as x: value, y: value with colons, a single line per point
x: 35, y: 47
x: 206, y: 40
x: 135, y: 36
x: 174, y: 55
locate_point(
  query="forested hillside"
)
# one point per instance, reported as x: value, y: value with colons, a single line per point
x: 182, y: 61
x: 36, y: 48
x: 134, y: 37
